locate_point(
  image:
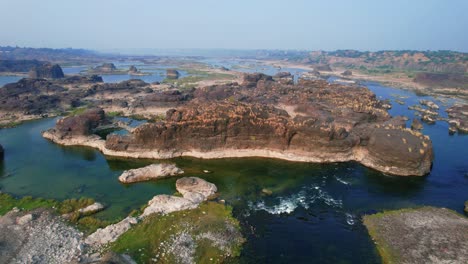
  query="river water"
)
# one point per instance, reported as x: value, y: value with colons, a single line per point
x: 312, y: 216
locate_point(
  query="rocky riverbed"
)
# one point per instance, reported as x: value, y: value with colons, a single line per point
x: 41, y: 236
x: 313, y: 121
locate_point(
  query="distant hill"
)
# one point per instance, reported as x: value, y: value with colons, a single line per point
x: 19, y: 65
x: 381, y: 61
x: 47, y: 54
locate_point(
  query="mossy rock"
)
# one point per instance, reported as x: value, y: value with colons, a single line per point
x: 420, y: 235
x: 207, y: 234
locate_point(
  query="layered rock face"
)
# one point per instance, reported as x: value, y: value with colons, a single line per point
x: 312, y: 121
x: 47, y: 71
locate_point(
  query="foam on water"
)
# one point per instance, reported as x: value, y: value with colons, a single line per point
x: 341, y: 180
x: 304, y: 198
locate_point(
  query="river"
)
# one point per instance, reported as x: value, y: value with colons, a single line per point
x: 315, y: 210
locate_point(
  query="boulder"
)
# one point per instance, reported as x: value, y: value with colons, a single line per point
x: 91, y: 209
x: 172, y: 74
x: 151, y: 172
x: 187, y: 185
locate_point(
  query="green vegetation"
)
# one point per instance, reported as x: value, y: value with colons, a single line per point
x: 77, y: 110
x: 10, y: 124
x: 196, y: 76
x: 114, y: 114
x: 85, y: 223
x: 158, y: 236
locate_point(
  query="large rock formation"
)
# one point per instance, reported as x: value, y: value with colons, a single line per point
x: 151, y: 172
x: 312, y: 121
x: 47, y: 71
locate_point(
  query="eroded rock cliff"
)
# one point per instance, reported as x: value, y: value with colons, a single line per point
x: 312, y: 121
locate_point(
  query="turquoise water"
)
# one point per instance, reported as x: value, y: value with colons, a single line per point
x: 313, y: 215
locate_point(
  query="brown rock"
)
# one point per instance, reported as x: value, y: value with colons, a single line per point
x: 172, y: 74
x: 416, y: 124
x: 83, y: 124
x: 46, y: 71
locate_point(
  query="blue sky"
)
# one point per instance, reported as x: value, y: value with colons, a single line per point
x: 240, y: 24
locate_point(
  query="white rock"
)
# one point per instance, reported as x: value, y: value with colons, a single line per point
x: 94, y: 208
x: 165, y: 204
x: 151, y: 172
x: 110, y: 233
x: 196, y: 185
x: 24, y: 219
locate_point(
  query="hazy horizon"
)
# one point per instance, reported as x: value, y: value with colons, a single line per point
x: 139, y: 25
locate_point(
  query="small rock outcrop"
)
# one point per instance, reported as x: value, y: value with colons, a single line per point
x: 416, y: 124
x: 172, y: 74
x: 105, y: 68
x: 132, y: 70
x: 47, y: 71
x: 151, y: 172
x: 194, y: 191
x: 429, y: 104
x: 458, y: 118
x: 188, y: 185
x: 347, y: 73
x: 91, y: 209
x: 110, y: 233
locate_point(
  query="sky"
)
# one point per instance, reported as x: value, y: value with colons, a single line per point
x: 236, y: 24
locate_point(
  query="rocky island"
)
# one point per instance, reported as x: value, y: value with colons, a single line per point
x: 312, y: 121
x: 428, y: 234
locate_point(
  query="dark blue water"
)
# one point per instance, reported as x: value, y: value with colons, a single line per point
x: 315, y: 210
